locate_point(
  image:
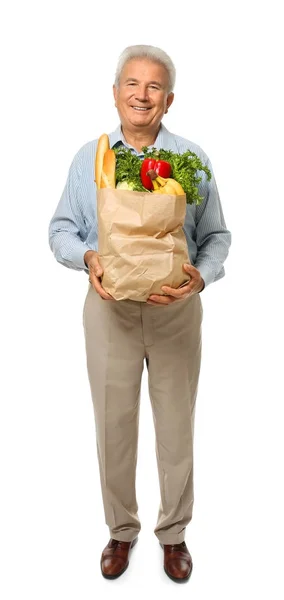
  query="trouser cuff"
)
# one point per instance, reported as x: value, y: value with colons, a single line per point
x: 124, y: 536
x: 170, y: 538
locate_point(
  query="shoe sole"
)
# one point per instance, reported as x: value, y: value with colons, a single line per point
x: 178, y: 579
x: 124, y: 569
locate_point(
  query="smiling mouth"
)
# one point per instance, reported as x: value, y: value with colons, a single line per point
x: 140, y: 108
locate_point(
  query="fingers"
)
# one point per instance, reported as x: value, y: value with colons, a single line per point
x: 96, y: 283
x: 158, y: 300
x: 196, y: 283
x: 182, y: 292
x: 193, y: 286
x: 95, y: 274
x: 93, y: 263
x: 176, y: 292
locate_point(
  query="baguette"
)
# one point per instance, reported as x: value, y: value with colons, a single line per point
x: 102, y: 147
x: 108, y: 170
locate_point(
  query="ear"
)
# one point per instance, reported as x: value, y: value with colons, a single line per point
x: 114, y: 89
x: 170, y: 100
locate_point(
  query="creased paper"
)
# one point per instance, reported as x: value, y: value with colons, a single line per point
x: 141, y: 242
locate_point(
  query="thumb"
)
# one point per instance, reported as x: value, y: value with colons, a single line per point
x: 188, y: 267
x: 98, y: 270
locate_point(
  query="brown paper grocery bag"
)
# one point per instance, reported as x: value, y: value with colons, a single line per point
x: 141, y: 242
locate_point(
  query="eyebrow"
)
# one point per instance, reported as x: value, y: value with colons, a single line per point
x: 149, y: 83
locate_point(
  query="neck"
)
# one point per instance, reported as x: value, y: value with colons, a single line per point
x: 138, y: 139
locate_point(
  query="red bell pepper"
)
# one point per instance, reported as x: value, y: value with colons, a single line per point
x: 161, y: 167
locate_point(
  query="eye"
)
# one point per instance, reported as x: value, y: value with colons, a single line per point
x: 131, y: 83
x: 154, y: 87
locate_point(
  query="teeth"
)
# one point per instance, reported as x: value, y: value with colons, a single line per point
x: 139, y: 108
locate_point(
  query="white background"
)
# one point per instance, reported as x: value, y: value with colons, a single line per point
x: 59, y: 60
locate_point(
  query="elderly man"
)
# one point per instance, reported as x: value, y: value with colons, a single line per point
x: 165, y: 330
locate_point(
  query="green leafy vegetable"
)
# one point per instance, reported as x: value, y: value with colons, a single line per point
x: 125, y: 185
x: 186, y: 169
x: 127, y: 169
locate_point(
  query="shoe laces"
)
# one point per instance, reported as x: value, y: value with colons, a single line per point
x: 117, y: 543
x: 177, y: 547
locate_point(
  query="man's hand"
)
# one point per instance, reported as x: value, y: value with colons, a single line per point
x: 195, y: 285
x: 91, y: 259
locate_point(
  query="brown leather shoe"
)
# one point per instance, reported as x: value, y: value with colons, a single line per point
x: 177, y: 561
x: 114, y: 559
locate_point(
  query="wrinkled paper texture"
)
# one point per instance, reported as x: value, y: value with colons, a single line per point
x: 141, y: 243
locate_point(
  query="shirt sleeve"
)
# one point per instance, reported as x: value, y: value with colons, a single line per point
x: 67, y: 230
x: 213, y: 239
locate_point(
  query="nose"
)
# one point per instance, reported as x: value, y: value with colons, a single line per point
x: 142, y: 93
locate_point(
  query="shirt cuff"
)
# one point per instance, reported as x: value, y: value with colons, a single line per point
x: 78, y: 256
x: 206, y: 274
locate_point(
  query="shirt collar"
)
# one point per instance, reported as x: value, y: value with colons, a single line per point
x: 163, y: 140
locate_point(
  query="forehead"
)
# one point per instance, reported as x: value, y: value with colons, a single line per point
x: 144, y: 69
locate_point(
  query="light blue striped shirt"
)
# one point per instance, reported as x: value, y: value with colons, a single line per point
x: 73, y: 228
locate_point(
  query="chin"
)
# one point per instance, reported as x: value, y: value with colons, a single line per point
x: 139, y: 123
x: 141, y: 119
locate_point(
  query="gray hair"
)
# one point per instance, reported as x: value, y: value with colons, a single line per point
x: 153, y: 54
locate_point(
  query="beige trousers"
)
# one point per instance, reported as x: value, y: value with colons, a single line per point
x: 119, y: 335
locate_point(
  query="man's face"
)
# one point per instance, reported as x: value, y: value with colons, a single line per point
x: 142, y: 97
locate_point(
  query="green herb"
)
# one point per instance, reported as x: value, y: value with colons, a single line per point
x: 127, y: 169
x: 186, y: 169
